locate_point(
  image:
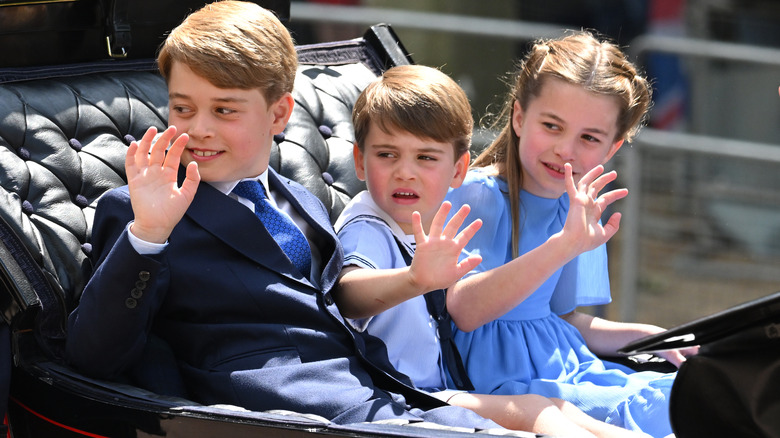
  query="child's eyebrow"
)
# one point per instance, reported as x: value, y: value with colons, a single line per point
x: 176, y: 95
x: 382, y: 145
x: 560, y: 120
x: 431, y: 150
x: 230, y: 99
x: 423, y: 150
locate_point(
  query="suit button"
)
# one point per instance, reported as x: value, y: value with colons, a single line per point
x: 131, y: 303
x: 136, y: 293
x: 144, y: 275
x: 328, y: 300
x: 140, y: 285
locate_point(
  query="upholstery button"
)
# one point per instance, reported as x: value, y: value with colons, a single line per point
x: 131, y: 303
x: 75, y: 144
x: 24, y: 154
x: 136, y: 293
x: 328, y: 178
x: 86, y: 248
x: 27, y: 208
x: 128, y: 139
x: 81, y: 201
x: 325, y: 131
x: 328, y: 299
x: 144, y: 275
x: 278, y: 138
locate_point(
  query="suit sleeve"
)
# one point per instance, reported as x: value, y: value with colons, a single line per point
x: 108, y: 330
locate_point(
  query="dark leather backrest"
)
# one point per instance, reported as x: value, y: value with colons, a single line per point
x: 63, y: 138
x: 62, y: 145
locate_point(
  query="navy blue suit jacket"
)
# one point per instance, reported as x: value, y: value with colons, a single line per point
x: 245, y: 327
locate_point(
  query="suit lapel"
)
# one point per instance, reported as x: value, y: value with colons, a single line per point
x: 239, y: 228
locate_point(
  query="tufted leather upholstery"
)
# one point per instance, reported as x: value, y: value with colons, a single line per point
x: 62, y: 145
x: 315, y: 148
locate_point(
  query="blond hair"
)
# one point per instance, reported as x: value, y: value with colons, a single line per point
x: 419, y: 100
x: 234, y: 44
x: 579, y: 59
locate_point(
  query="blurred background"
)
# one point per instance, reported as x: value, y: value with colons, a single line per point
x: 701, y: 226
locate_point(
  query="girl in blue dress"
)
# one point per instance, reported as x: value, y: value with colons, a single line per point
x: 575, y: 101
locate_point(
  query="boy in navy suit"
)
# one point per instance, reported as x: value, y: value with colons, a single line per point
x: 181, y: 253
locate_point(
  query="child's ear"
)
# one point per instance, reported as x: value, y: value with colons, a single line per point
x: 281, y: 111
x: 357, y: 157
x: 612, y: 151
x: 517, y: 118
x: 461, y: 168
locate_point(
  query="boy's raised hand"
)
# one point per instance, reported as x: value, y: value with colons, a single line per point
x: 158, y: 201
x: 435, y: 264
x: 586, y: 207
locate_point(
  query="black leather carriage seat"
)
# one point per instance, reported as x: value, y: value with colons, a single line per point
x: 63, y: 136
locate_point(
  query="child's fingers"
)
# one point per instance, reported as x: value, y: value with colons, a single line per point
x: 591, y: 176
x: 571, y: 187
x: 457, y: 220
x: 173, y: 157
x: 612, y: 225
x: 417, y: 228
x: 599, y: 183
x: 673, y: 356
x: 157, y: 153
x: 138, y: 151
x: 191, y: 181
x: 612, y: 196
x: 145, y: 144
x: 130, y: 157
x: 437, y: 226
x: 465, y: 236
x: 468, y: 264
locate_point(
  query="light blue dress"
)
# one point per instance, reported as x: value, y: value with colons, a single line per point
x: 532, y: 350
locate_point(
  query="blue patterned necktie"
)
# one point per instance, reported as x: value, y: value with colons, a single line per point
x: 280, y: 226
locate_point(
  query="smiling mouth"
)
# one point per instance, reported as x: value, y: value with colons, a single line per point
x: 554, y: 168
x: 203, y: 153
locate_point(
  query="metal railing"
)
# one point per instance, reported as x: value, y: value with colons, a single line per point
x: 428, y: 21
x: 693, y: 47
x: 689, y: 143
x: 631, y: 174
